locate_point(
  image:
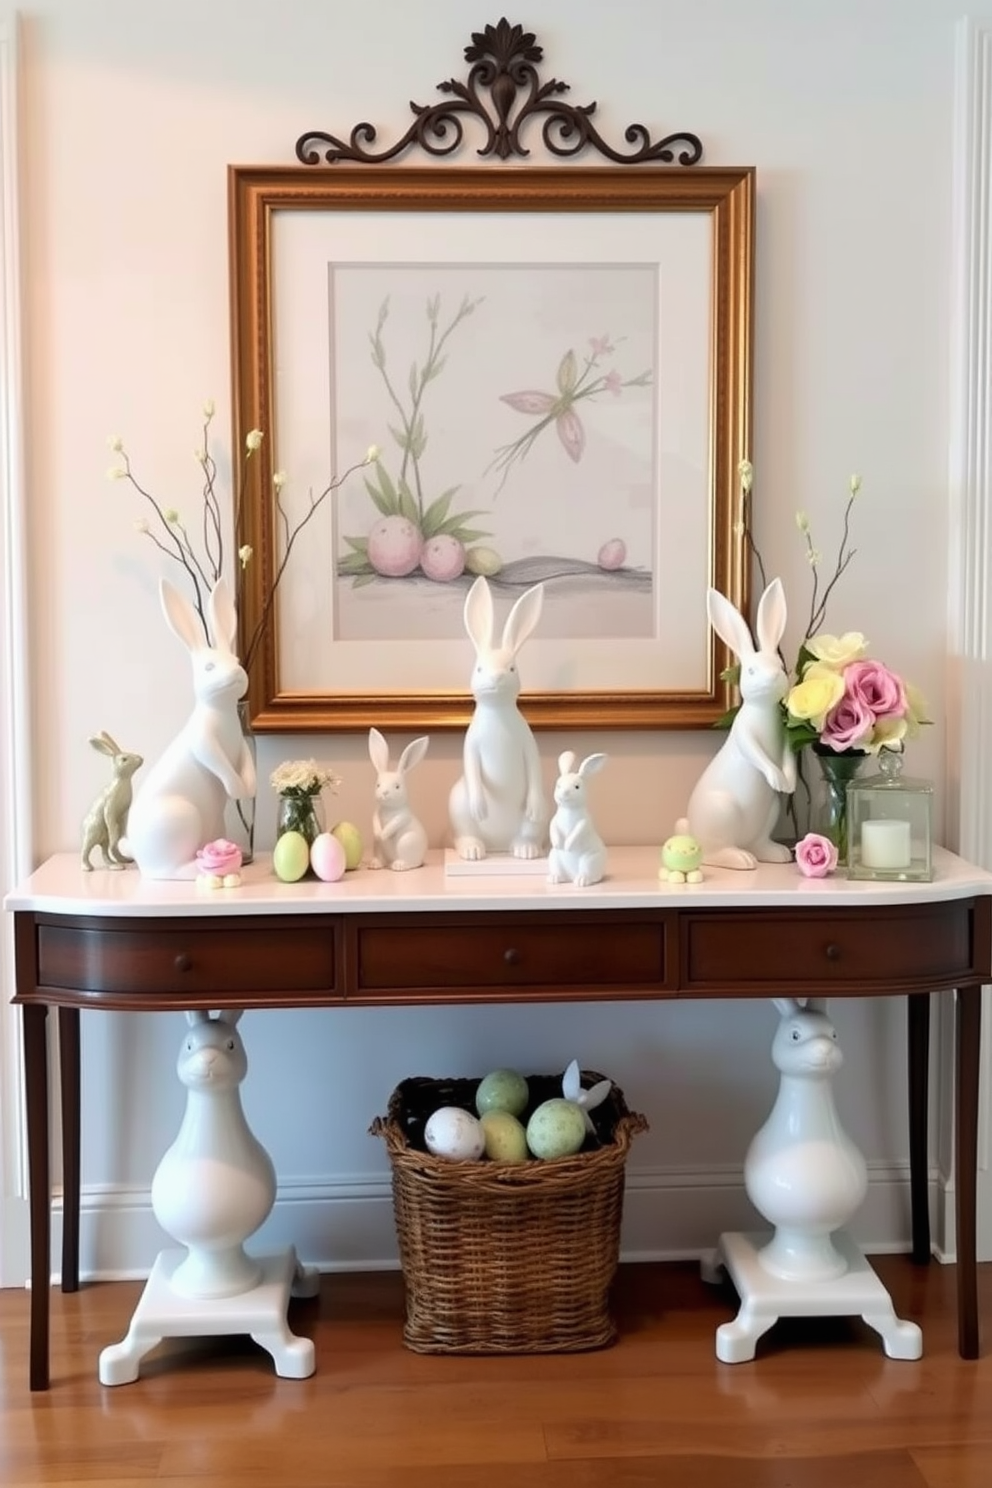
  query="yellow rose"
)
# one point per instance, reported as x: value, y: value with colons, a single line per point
x: 819, y: 691
x: 837, y: 651
x: 917, y: 710
x: 887, y: 732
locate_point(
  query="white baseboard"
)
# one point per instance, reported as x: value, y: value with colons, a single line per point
x: 346, y: 1224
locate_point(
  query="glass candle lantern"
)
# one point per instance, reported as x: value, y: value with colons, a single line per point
x: 889, y: 824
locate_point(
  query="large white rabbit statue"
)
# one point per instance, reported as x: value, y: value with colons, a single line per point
x: 498, y: 804
x: 180, y: 806
x: 735, y: 803
x: 802, y: 1171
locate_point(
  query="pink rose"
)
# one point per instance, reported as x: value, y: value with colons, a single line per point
x: 876, y: 688
x: 848, y: 726
x: 219, y: 857
x: 816, y: 856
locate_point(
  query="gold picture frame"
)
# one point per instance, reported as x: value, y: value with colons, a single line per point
x: 294, y: 370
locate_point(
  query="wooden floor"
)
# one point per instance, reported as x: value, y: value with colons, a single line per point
x: 821, y: 1406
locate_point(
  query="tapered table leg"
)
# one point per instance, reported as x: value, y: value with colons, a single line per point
x: 71, y: 1100
x: 918, y: 1029
x: 968, y: 1033
x: 39, y: 1185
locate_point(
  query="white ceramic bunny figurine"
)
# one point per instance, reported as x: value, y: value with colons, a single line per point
x: 498, y: 804
x: 802, y: 1171
x: 577, y: 851
x: 105, y: 823
x: 181, y: 804
x: 399, y: 840
x: 216, y: 1184
x: 735, y: 803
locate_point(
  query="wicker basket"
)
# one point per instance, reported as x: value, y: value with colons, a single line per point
x: 506, y: 1257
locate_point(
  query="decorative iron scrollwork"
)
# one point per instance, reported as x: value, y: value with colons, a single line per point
x: 503, y: 59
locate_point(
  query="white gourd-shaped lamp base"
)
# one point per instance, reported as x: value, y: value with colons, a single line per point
x: 803, y: 1173
x: 213, y: 1189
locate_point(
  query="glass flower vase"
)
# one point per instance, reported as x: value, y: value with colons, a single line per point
x: 300, y: 811
x: 239, y: 816
x: 829, y: 815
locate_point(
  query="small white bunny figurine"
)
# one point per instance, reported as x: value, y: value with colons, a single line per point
x: 106, y: 821
x: 802, y: 1171
x: 734, y: 805
x: 577, y: 852
x: 498, y: 803
x: 399, y: 841
x: 216, y: 1184
x: 572, y: 1090
x: 180, y: 806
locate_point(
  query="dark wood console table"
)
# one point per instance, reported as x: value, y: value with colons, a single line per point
x: 115, y: 941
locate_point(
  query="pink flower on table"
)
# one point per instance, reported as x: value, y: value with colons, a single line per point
x: 847, y: 726
x: 219, y: 857
x: 816, y: 856
x: 876, y: 688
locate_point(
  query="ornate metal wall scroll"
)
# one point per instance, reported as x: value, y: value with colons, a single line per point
x: 503, y: 59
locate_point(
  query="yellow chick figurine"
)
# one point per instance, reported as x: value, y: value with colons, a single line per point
x: 680, y: 859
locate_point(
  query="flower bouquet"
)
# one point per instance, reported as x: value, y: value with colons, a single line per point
x: 298, y: 784
x: 842, y: 704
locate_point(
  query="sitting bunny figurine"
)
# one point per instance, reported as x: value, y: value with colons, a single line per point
x: 734, y: 805
x: 498, y: 804
x: 181, y: 804
x: 106, y: 821
x: 577, y: 850
x: 398, y: 838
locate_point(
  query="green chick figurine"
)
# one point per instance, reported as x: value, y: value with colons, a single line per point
x: 680, y: 859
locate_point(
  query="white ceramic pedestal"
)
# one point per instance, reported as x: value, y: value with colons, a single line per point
x: 766, y: 1298
x: 260, y: 1312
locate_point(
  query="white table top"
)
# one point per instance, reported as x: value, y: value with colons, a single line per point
x: 60, y: 886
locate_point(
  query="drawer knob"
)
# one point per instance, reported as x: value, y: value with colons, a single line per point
x: 183, y: 962
x: 511, y: 956
x: 833, y: 952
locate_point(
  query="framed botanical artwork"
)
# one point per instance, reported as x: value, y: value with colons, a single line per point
x: 555, y: 365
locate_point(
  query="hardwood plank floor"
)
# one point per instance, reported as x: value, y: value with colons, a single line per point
x: 820, y: 1407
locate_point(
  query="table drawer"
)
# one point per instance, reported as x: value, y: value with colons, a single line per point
x: 220, y: 958
x: 468, y: 954
x: 926, y: 946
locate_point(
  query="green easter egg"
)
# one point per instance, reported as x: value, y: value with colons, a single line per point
x: 502, y: 1090
x: 506, y: 1140
x: 556, y: 1129
x: 291, y: 857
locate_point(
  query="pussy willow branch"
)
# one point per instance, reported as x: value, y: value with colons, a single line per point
x: 290, y: 536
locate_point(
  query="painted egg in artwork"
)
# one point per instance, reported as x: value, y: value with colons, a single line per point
x: 394, y: 546
x: 443, y: 557
x: 612, y: 554
x: 483, y: 560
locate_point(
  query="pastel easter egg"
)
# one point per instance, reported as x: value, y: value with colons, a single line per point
x: 394, y: 546
x: 291, y: 857
x: 350, y: 839
x: 454, y: 1134
x: 443, y: 558
x: 502, y: 1090
x: 556, y: 1129
x: 506, y: 1139
x: 328, y: 858
x: 612, y: 554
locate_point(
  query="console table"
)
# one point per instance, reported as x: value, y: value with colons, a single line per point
x: 116, y: 941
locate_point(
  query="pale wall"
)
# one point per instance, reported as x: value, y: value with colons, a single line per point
x: 132, y: 113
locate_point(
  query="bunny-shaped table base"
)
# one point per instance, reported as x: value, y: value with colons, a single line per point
x: 213, y: 1188
x: 805, y: 1175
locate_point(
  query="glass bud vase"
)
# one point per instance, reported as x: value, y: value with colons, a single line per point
x: 239, y: 816
x: 300, y: 811
x: 829, y: 816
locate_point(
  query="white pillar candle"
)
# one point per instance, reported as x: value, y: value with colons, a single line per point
x: 885, y: 844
